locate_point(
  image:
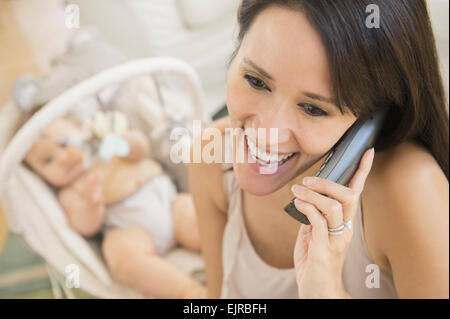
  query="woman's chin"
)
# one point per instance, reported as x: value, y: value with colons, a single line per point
x: 261, y: 180
x: 261, y: 185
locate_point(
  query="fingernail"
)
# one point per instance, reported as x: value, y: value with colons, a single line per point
x: 308, y: 181
x: 297, y: 189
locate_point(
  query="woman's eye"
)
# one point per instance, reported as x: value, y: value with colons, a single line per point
x: 312, y: 110
x: 256, y: 83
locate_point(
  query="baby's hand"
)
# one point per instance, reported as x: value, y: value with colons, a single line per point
x: 139, y: 145
x: 90, y: 187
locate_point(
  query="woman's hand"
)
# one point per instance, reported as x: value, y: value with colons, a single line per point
x: 318, y: 255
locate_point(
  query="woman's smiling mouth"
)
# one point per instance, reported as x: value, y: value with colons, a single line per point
x: 263, y: 160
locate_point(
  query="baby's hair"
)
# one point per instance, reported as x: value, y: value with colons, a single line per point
x: 28, y: 166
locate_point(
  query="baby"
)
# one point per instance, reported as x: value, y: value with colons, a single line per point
x: 128, y: 199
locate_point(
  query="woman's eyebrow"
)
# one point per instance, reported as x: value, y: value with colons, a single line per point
x: 257, y: 68
x: 318, y: 97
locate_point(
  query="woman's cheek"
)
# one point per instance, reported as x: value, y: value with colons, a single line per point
x: 235, y: 100
x: 312, y: 139
x: 242, y: 102
x: 317, y: 139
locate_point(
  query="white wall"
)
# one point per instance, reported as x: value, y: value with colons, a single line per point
x: 438, y: 10
x: 42, y: 25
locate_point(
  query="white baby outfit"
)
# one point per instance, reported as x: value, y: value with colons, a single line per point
x: 149, y: 208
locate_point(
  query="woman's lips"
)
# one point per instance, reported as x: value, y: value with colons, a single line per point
x: 263, y: 170
x: 271, y: 151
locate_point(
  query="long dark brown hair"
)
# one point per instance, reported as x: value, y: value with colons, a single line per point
x: 395, y: 65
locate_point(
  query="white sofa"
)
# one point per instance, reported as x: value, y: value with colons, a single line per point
x: 200, y: 32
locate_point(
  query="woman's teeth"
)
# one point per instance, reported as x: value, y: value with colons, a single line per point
x: 264, y: 159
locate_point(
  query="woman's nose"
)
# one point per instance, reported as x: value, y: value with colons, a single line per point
x: 275, y: 125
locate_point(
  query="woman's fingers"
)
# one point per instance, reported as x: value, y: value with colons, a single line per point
x: 330, y: 208
x: 337, y: 202
x: 341, y: 193
x: 318, y: 222
x: 328, y: 204
x: 359, y: 178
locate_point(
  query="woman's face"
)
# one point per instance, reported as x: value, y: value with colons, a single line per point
x: 280, y: 79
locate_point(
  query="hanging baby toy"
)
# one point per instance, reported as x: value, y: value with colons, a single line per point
x: 109, y: 127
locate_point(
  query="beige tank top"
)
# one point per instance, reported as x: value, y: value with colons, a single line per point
x: 246, y: 275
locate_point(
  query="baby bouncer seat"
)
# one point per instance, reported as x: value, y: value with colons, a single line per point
x: 157, y: 95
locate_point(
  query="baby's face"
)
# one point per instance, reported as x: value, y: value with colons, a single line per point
x: 58, y: 163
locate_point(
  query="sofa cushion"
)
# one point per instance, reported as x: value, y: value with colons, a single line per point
x: 199, y: 13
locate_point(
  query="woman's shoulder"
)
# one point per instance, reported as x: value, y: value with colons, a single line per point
x: 407, y: 219
x: 207, y: 176
x: 406, y: 170
x: 405, y: 163
x: 405, y: 187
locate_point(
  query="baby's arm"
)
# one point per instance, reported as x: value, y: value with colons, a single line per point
x: 84, y: 204
x: 139, y: 145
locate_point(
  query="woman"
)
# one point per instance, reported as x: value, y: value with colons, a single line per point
x: 310, y: 69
